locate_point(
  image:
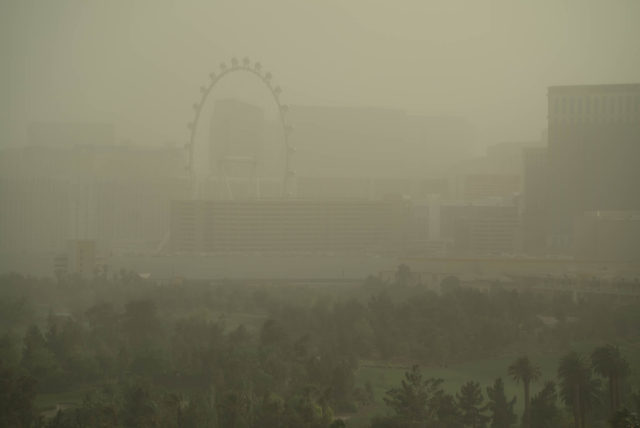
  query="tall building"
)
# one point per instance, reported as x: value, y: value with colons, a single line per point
x: 497, y: 174
x: 607, y: 235
x: 594, y: 153
x: 534, y: 199
x: 81, y: 257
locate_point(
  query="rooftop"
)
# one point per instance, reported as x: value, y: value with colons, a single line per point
x: 582, y: 89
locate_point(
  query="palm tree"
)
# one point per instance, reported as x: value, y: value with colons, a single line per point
x: 544, y: 412
x: 522, y: 370
x: 577, y: 388
x: 608, y: 362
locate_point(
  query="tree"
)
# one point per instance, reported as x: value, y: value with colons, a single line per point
x: 450, y: 283
x: 271, y: 410
x: 9, y: 354
x: 502, y: 414
x: 448, y: 412
x: 17, y: 394
x: 544, y: 412
x: 200, y: 411
x: 303, y: 411
x: 403, y: 274
x: 470, y: 401
x: 608, y: 362
x: 416, y: 399
x: 142, y: 325
x: 577, y: 389
x: 273, y: 334
x: 522, y: 370
x: 98, y: 409
x: 233, y: 409
x: 37, y: 359
x: 140, y: 410
x: 623, y: 418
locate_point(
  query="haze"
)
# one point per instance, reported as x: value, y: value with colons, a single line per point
x: 139, y: 64
x: 319, y: 214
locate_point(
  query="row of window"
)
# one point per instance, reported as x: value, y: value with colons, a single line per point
x: 596, y: 104
x: 595, y: 119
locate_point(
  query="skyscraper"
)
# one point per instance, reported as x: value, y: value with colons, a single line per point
x: 535, y: 199
x: 594, y: 153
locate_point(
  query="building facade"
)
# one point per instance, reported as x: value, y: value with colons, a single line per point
x: 288, y: 225
x: 481, y: 229
x: 118, y: 196
x: 607, y: 235
x: 535, y: 188
x: 594, y: 153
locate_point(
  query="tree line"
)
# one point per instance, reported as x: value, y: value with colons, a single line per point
x: 177, y: 355
x: 422, y: 402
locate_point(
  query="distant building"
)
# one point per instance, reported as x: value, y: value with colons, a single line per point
x: 481, y: 186
x: 497, y: 174
x: 535, y: 200
x: 481, y: 229
x: 340, y: 152
x: 358, y: 142
x: 81, y: 257
x: 70, y: 134
x: 236, y: 136
x: 118, y: 196
x: 425, y: 225
x: 370, y: 188
x: 288, y: 225
x: 607, y: 235
x: 594, y: 153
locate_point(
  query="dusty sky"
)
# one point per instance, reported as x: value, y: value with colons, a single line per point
x: 140, y: 63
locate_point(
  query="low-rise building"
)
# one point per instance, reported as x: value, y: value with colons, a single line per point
x: 295, y: 225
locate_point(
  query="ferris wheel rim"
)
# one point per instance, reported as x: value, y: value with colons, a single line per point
x: 275, y: 90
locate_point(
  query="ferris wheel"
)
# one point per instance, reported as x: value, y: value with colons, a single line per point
x: 255, y: 69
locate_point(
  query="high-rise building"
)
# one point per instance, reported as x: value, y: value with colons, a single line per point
x: 534, y: 199
x: 497, y: 174
x: 607, y: 235
x: 594, y: 153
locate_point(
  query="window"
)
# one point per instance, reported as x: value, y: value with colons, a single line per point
x: 620, y: 105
